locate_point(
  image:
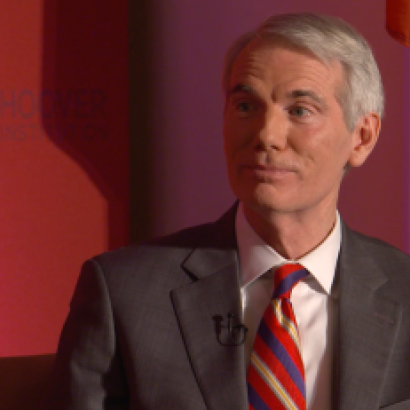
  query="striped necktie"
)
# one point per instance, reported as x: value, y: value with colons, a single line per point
x: 276, y: 376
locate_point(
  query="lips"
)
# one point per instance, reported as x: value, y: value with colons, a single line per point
x: 269, y: 168
x: 268, y: 172
x: 274, y: 167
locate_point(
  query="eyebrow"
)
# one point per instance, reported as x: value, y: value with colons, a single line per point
x: 306, y: 93
x: 241, y: 88
x: 247, y: 89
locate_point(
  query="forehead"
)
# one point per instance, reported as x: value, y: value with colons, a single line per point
x: 273, y: 63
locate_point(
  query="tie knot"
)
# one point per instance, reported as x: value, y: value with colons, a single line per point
x: 286, y: 277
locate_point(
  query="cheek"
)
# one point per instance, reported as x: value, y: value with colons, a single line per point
x: 321, y: 145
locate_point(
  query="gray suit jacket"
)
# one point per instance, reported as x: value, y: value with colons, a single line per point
x: 145, y: 333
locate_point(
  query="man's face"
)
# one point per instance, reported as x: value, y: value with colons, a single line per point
x: 285, y: 138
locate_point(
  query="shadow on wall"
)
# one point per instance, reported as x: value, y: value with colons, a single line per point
x: 84, y: 97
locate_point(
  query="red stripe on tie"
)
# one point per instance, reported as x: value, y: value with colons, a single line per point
x: 275, y: 327
x: 286, y: 338
x: 278, y: 370
x: 271, y: 361
x: 282, y: 356
x: 264, y: 391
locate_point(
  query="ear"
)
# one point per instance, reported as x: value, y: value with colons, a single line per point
x: 365, y: 136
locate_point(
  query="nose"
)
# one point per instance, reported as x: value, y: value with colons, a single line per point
x: 272, y: 130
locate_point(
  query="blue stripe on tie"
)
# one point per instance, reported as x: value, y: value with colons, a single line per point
x: 282, y: 355
x: 288, y: 282
x: 255, y: 400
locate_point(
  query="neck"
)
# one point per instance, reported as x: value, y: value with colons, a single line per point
x: 292, y: 235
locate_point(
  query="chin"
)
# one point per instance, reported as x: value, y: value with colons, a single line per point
x: 264, y: 199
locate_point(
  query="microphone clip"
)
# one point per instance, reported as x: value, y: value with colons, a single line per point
x: 234, y: 333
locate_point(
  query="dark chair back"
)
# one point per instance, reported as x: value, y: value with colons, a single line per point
x: 24, y: 381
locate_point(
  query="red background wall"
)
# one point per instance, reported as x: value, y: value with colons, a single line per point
x: 68, y: 129
x: 64, y: 157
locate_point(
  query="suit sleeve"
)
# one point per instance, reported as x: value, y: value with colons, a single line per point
x: 88, y: 373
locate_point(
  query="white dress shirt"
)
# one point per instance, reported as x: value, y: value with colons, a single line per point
x: 314, y: 307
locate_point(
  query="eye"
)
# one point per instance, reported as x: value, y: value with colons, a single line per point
x: 244, y: 106
x: 299, y: 111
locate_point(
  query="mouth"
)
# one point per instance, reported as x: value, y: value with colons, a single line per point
x: 268, y: 173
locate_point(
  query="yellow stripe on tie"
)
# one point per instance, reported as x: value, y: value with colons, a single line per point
x: 272, y: 381
x: 286, y: 323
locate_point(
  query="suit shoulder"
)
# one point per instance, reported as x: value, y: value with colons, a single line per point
x: 383, y: 250
x: 158, y: 263
x: 177, y: 243
x: 177, y: 246
x: 394, y: 263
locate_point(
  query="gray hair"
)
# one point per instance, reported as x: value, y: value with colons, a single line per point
x: 329, y: 39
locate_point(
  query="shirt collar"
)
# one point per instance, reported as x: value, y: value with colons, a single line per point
x: 256, y: 257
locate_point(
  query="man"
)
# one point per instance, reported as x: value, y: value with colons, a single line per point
x: 162, y: 325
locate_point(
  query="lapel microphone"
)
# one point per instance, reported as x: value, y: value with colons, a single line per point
x: 229, y: 333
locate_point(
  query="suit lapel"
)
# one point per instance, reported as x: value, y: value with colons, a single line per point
x: 368, y: 326
x: 202, y: 308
